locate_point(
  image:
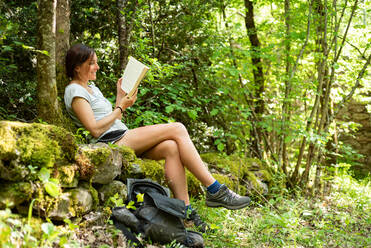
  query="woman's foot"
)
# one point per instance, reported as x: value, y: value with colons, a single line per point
x: 226, y: 198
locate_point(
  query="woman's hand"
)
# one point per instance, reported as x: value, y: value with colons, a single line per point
x: 127, y: 101
x: 120, y: 92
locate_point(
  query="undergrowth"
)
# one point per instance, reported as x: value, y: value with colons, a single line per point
x: 341, y: 219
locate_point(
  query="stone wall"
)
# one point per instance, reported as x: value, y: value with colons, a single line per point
x: 360, y: 140
x: 43, y: 164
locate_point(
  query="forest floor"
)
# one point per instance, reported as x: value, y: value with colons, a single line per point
x: 341, y: 219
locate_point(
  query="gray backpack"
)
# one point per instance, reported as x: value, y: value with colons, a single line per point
x: 158, y: 217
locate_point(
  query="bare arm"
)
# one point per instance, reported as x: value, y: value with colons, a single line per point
x: 83, y: 111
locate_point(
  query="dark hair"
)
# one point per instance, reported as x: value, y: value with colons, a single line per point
x: 76, y: 56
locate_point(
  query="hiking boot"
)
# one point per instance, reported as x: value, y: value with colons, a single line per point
x: 197, y: 221
x: 226, y: 198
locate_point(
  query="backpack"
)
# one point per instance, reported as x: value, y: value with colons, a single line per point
x: 158, y: 218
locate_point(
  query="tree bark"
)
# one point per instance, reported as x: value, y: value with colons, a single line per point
x: 287, y: 101
x: 257, y: 68
x: 62, y: 43
x: 255, y: 56
x: 125, y: 21
x: 48, y: 107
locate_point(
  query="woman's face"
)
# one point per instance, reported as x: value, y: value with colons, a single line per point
x: 88, y: 70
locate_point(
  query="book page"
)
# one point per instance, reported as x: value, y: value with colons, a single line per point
x: 133, y: 74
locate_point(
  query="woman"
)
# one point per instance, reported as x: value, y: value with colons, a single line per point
x: 89, y: 109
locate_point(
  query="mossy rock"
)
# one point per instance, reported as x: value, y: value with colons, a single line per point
x: 13, y: 194
x: 106, y: 160
x: 195, y: 188
x: 227, y: 164
x: 153, y: 169
x: 115, y: 188
x: 67, y: 175
x: 128, y: 154
x: 37, y: 145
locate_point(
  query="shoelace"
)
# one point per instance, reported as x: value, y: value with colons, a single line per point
x: 232, y: 195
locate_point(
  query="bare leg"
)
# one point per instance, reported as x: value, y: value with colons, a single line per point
x: 142, y: 139
x: 174, y: 170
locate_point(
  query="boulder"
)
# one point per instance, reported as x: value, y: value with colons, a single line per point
x: 13, y: 194
x: 111, y: 189
x: 107, y: 162
x: 26, y: 147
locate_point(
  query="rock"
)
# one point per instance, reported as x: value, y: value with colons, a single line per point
x: 13, y: 170
x: 132, y: 170
x: 109, y: 190
x: 14, y: 194
x: 72, y: 203
x: 39, y: 145
x: 97, y: 218
x: 62, y: 208
x: 82, y: 200
x: 107, y: 162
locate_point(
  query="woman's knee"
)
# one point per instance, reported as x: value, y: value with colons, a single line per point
x: 179, y: 129
x: 169, y: 148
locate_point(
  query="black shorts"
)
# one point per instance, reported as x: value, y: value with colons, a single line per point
x: 112, y: 137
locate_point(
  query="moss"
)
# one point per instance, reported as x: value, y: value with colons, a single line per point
x: 98, y: 155
x: 86, y: 168
x: 36, y: 144
x: 44, y: 203
x: 7, y: 141
x: 194, y: 185
x: 13, y: 194
x: 93, y: 192
x: 152, y: 169
x: 232, y: 164
x: 66, y: 174
x: 223, y: 179
x: 265, y: 175
x: 127, y: 153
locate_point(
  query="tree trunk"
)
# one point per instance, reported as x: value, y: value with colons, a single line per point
x: 255, y: 55
x: 62, y: 43
x: 125, y: 21
x: 257, y: 68
x: 48, y: 106
x: 287, y: 101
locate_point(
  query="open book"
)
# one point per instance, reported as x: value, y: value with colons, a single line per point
x: 133, y: 74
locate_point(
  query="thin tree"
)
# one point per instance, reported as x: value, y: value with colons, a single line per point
x: 48, y: 106
x: 126, y: 12
x: 257, y: 66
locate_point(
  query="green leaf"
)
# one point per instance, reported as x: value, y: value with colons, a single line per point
x: 44, y: 174
x: 140, y: 197
x: 131, y: 205
x: 52, y: 187
x: 220, y: 147
x: 192, y: 114
x: 214, y: 112
x: 48, y: 228
x: 169, y: 109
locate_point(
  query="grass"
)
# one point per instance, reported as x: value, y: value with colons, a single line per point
x: 341, y: 219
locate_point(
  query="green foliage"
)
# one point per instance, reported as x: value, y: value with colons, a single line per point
x: 51, y: 185
x: 340, y: 219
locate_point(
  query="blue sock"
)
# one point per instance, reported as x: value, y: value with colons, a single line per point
x: 213, y: 188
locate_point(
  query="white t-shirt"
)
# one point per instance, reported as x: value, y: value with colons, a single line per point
x: 99, y: 104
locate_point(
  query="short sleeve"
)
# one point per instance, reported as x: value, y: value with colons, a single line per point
x: 72, y: 91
